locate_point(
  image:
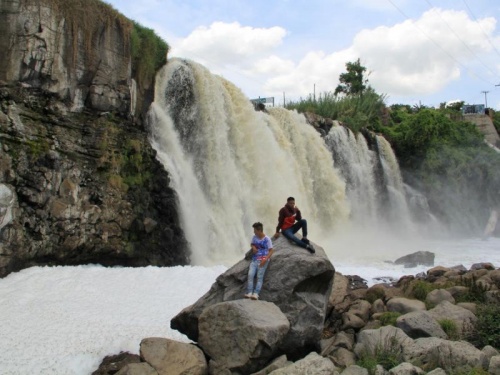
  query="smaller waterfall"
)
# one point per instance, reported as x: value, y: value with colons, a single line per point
x: 374, y: 183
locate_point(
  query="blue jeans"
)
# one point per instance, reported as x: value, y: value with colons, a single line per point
x: 260, y: 271
x: 290, y: 232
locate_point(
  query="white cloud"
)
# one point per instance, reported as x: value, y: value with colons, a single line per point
x: 404, y: 59
x: 229, y: 43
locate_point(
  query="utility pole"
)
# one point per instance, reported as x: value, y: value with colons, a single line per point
x: 284, y: 99
x: 485, y: 98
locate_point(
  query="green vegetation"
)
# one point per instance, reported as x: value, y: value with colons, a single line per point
x: 496, y: 121
x: 450, y: 328
x: 353, y: 82
x: 488, y: 325
x: 388, y: 355
x: 476, y: 292
x: 149, y: 53
x: 389, y: 318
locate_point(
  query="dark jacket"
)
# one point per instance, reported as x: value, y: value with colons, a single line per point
x: 287, y: 217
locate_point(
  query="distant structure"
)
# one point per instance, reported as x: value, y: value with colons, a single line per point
x: 473, y: 109
x: 260, y: 103
x: 482, y: 118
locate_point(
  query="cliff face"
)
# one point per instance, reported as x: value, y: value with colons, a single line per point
x: 79, y: 181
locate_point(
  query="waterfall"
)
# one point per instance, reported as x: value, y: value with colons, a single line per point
x: 232, y: 166
x: 374, y: 184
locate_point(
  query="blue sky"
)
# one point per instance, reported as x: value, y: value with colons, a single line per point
x: 417, y: 51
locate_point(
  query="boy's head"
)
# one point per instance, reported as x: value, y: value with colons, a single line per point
x: 290, y: 201
x: 258, y: 228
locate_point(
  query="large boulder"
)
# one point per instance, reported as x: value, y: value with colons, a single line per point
x: 420, y: 324
x: 387, y: 339
x: 142, y: 368
x: 449, y: 355
x: 242, y: 336
x: 298, y: 282
x: 406, y: 368
x: 463, y: 318
x: 172, y: 357
x: 425, y: 258
x: 494, y: 367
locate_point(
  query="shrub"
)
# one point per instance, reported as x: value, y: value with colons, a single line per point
x: 420, y: 289
x: 476, y: 291
x: 488, y: 325
x: 388, y: 355
x: 450, y: 328
x: 389, y: 318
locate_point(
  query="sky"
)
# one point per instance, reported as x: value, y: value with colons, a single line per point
x: 416, y: 52
x: 65, y: 320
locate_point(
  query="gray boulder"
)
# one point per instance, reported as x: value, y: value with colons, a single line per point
x: 449, y: 355
x: 406, y: 368
x: 388, y: 339
x: 436, y: 296
x: 494, y: 367
x: 172, y: 357
x: 361, y: 308
x: 425, y: 258
x: 490, y: 352
x: 312, y: 364
x: 137, y: 369
x: 298, y: 282
x: 242, y: 336
x: 464, y: 319
x: 405, y: 305
x: 352, y: 321
x: 420, y: 324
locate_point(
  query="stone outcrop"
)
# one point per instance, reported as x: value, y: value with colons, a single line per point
x: 81, y: 188
x: 420, y: 324
x: 296, y: 281
x: 79, y: 181
x: 86, y: 64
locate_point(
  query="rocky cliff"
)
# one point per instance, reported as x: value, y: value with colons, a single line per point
x: 79, y: 181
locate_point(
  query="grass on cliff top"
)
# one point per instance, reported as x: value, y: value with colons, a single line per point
x: 147, y: 50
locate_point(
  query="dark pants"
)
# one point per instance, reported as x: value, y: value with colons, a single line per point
x: 290, y: 232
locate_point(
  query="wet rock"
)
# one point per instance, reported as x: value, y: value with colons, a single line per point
x: 425, y: 258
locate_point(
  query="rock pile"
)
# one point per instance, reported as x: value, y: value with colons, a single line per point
x: 328, y: 324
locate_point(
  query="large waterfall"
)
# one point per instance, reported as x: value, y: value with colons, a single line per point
x: 232, y: 166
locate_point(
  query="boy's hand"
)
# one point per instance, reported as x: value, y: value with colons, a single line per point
x: 263, y: 262
x: 276, y: 235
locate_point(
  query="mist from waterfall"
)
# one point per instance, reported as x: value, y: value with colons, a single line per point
x: 232, y: 166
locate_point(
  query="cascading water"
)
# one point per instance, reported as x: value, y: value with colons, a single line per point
x: 232, y: 166
x: 374, y: 184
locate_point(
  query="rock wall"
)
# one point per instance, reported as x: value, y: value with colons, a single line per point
x: 79, y: 181
x: 85, y: 64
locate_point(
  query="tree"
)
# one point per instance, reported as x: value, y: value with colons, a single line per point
x: 352, y: 82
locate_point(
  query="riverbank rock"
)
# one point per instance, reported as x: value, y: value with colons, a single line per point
x: 420, y: 324
x: 463, y: 318
x: 298, y: 282
x: 405, y: 305
x: 241, y: 336
x: 167, y: 357
x: 425, y: 258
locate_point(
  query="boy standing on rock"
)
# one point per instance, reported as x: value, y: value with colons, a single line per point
x: 262, y: 249
x: 289, y: 222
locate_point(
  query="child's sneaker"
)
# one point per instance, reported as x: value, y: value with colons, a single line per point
x: 310, y: 248
x: 255, y: 296
x: 248, y: 295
